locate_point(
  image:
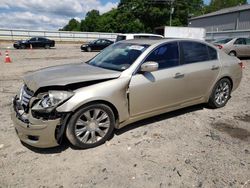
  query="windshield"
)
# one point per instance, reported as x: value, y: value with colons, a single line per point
x: 93, y: 41
x: 118, y: 56
x: 223, y: 41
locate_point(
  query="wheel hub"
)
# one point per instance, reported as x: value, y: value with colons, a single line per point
x: 92, y: 125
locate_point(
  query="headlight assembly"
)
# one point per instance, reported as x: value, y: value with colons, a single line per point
x: 51, y: 100
x: 54, y: 98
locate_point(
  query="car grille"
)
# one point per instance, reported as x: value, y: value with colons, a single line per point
x: 25, y: 96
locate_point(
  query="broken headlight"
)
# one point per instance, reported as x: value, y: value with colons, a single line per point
x: 55, y: 98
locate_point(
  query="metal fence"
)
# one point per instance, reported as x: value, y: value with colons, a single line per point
x: 17, y: 34
x: 227, y: 34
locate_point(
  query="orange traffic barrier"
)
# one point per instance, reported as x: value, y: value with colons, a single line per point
x: 7, y: 57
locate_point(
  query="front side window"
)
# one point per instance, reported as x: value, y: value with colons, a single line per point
x: 118, y: 56
x: 194, y: 52
x: 166, y: 56
x: 33, y: 39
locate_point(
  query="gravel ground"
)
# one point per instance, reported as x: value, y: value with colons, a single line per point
x: 192, y: 147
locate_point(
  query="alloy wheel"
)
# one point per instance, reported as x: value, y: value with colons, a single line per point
x: 92, y: 126
x: 222, y: 93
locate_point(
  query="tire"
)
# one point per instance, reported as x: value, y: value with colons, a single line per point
x: 47, y: 46
x: 220, y: 94
x: 89, y: 49
x: 22, y: 46
x: 91, y: 126
x: 232, y: 53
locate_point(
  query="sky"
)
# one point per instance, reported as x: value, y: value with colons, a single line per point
x: 49, y: 14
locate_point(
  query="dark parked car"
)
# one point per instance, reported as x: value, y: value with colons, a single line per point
x: 98, y: 44
x: 35, y: 42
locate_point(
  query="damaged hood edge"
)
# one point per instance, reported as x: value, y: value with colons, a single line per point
x: 67, y: 74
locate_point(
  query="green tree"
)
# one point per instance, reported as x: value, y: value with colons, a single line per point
x: 220, y: 4
x: 90, y: 23
x: 73, y: 25
x: 141, y: 16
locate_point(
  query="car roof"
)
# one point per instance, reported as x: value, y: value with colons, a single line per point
x: 158, y: 41
x: 139, y: 34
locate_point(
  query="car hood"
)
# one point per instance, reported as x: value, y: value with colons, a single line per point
x: 67, y: 74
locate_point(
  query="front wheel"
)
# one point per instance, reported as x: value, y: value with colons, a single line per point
x: 220, y: 94
x: 89, y: 49
x: 47, y: 46
x: 22, y: 46
x: 91, y: 126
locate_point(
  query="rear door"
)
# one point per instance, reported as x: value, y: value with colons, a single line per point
x: 201, y: 69
x: 248, y: 47
x: 240, y: 47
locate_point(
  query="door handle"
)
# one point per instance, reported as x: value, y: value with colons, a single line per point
x: 214, y: 67
x: 179, y: 75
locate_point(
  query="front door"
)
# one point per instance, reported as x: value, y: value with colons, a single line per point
x: 151, y: 91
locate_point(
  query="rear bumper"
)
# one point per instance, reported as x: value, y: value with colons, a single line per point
x: 35, y: 132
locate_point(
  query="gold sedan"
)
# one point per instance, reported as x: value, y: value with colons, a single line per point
x: 128, y: 81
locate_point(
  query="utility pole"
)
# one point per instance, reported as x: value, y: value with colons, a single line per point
x: 171, y: 12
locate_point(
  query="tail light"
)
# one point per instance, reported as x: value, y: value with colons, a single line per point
x: 220, y: 46
x: 241, y: 65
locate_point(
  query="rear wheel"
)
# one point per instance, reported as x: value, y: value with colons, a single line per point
x: 232, y: 53
x: 47, y: 46
x: 220, y: 94
x: 91, y: 126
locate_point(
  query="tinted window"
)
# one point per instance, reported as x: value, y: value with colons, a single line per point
x: 223, y: 41
x: 212, y: 53
x: 166, y: 55
x: 33, y: 39
x: 240, y: 41
x: 41, y: 39
x: 248, y: 41
x: 194, y: 52
x: 146, y: 37
x: 120, y: 37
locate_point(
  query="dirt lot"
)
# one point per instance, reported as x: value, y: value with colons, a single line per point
x: 193, y: 147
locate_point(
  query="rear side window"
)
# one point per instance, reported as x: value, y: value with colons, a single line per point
x: 212, y: 53
x: 166, y: 56
x: 120, y: 37
x: 194, y: 52
x: 146, y: 37
x: 248, y: 41
x: 240, y: 41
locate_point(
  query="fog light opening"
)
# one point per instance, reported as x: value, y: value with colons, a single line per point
x: 33, y: 138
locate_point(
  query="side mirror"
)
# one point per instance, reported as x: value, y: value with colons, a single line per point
x: 149, y: 66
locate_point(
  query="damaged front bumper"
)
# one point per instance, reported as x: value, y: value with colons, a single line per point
x: 37, y: 132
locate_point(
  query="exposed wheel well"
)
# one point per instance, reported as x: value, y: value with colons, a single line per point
x: 233, y: 52
x: 230, y: 79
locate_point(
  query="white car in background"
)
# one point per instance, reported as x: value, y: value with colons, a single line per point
x: 129, y: 36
